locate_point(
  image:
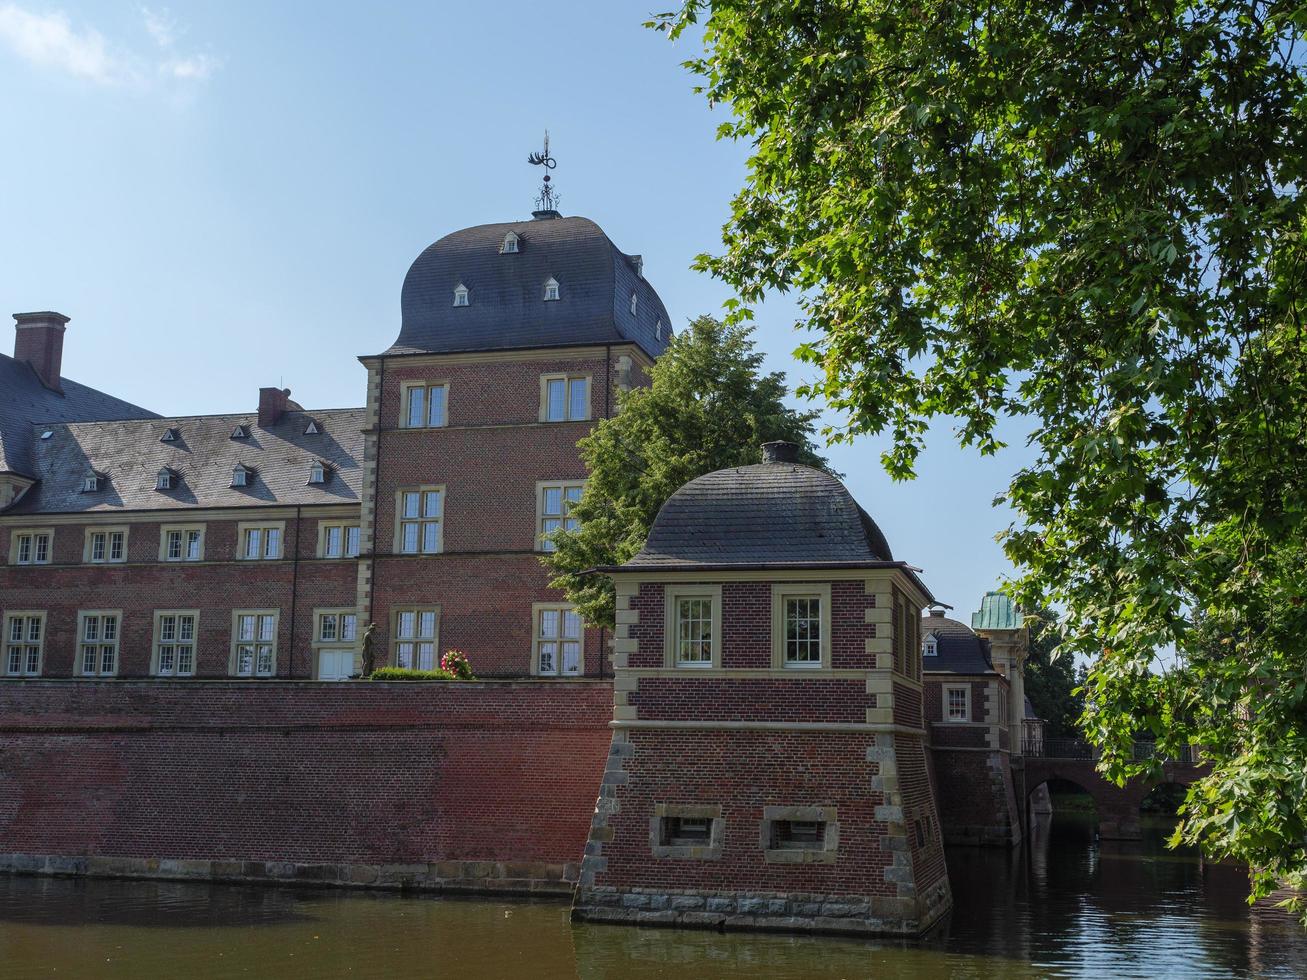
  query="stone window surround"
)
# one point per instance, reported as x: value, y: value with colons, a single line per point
x: 943, y: 702
x: 406, y: 390
x: 6, y: 643
x: 781, y: 591
x: 712, y: 851
x: 324, y: 526
x: 164, y: 531
x: 108, y: 532
x: 536, y: 639
x: 567, y: 378
x: 395, y: 639
x: 157, y: 641
x: 826, y: 854
x: 263, y: 527
x: 318, y: 643
x: 397, y: 546
x: 673, y: 591
x: 541, y: 487
x: 33, y: 533
x: 98, y: 614
x: 233, y: 656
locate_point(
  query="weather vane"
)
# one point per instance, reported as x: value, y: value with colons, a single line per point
x: 548, y: 198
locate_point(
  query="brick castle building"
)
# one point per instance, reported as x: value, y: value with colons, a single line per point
x: 783, y: 729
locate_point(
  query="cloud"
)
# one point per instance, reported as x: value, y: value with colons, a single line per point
x: 51, y: 41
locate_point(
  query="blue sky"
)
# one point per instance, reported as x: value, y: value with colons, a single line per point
x: 227, y: 195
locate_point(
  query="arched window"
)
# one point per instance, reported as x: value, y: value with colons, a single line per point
x: 510, y: 244
x: 460, y: 295
x: 551, y: 288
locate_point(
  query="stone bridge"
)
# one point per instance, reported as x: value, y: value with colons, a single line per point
x: 1075, y: 761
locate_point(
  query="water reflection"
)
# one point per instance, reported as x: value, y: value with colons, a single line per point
x: 1068, y: 906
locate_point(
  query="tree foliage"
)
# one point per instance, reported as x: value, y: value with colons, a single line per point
x: 1052, y: 681
x: 708, y: 406
x: 1084, y: 214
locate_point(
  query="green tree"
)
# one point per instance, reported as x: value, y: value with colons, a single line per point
x: 707, y: 406
x: 1085, y: 215
x: 1051, y: 681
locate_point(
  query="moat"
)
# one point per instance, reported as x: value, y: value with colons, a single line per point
x: 1067, y: 906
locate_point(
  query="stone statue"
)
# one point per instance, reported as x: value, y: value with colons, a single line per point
x: 369, y: 654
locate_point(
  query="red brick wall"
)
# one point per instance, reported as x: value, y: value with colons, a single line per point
x: 359, y: 772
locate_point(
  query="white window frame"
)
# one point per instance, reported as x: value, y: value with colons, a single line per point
x: 541, y: 640
x: 38, y: 540
x: 509, y: 245
x: 343, y: 620
x: 673, y: 595
x: 343, y: 531
x: 406, y: 650
x: 241, y: 475
x: 91, y: 483
x: 262, y: 535
x: 569, y: 492
x: 99, y: 632
x: 930, y: 646
x: 419, y: 395
x: 318, y: 472
x: 185, y: 531
x: 24, y: 643
x: 947, y: 706
x: 552, y: 293
x: 164, y: 479
x: 421, y: 521
x: 781, y: 595
x: 258, y: 643
x: 568, y: 382
x: 104, y: 554
x: 462, y: 296
x: 178, y: 642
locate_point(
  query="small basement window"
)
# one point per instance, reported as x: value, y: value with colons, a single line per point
x: 800, y: 834
x: 460, y: 295
x: 686, y: 831
x: 794, y: 834
x: 690, y: 831
x: 551, y: 289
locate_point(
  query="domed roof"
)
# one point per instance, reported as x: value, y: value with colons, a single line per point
x: 958, y: 649
x: 506, y: 306
x: 774, y: 513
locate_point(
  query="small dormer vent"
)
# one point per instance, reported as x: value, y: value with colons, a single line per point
x: 312, y: 428
x: 240, y: 432
x: 169, y: 435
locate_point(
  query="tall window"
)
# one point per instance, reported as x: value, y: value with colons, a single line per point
x: 559, y: 635
x: 693, y: 628
x: 262, y: 541
x: 106, y: 546
x: 182, y: 543
x: 554, y: 501
x: 254, y: 643
x: 565, y: 399
x: 415, y: 638
x: 338, y: 540
x: 174, y: 643
x: 425, y: 406
x: 957, y: 704
x: 24, y: 636
x: 98, y: 650
x: 803, y: 631
x: 30, y: 548
x: 420, y: 518
x: 334, y: 637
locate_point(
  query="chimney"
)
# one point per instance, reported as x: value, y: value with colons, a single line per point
x: 39, y: 341
x: 273, y: 403
x: 780, y: 452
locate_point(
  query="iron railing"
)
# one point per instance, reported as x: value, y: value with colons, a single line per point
x: 1075, y: 748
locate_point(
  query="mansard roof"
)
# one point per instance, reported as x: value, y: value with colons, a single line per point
x: 24, y: 400
x: 506, y: 309
x: 203, y: 456
x: 778, y: 513
x: 958, y: 649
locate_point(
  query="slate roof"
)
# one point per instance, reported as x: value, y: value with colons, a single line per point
x: 997, y: 612
x: 24, y: 400
x: 773, y: 513
x: 506, y: 309
x: 960, y: 651
x: 130, y: 454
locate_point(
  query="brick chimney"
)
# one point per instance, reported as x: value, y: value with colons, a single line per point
x: 273, y: 403
x: 39, y: 341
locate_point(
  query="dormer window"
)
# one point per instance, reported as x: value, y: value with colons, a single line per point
x: 551, y: 289
x: 510, y: 244
x: 638, y: 262
x: 169, y: 435
x: 658, y: 329
x: 240, y: 432
x: 47, y: 434
x: 318, y: 472
x: 460, y: 295
x: 929, y: 646
x: 311, y: 429
x: 240, y: 475
x: 92, y: 482
x: 165, y: 479
x: 634, y: 301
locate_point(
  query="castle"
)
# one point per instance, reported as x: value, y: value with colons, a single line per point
x: 775, y: 737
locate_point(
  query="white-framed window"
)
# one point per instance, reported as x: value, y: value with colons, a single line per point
x: 419, y: 529
x: 181, y: 542
x: 175, y: 635
x: 335, y: 632
x: 92, y: 482
x: 658, y: 329
x: 165, y: 479
x: 338, y: 540
x: 105, y: 545
x: 930, y: 646
x: 426, y: 406
x: 254, y: 643
x: 261, y: 541
x: 510, y: 244
x: 241, y: 476
x: 30, y: 547
x: 318, y: 471
x: 460, y: 295
x: 97, y: 646
x: 634, y: 302
x: 694, y: 629
x: 416, y: 632
x: 801, y: 625
x: 554, y: 502
x: 564, y: 398
x: 551, y: 289
x: 957, y: 702
x: 24, y: 643
x: 559, y: 640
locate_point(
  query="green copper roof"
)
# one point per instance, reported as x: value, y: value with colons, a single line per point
x: 997, y: 612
